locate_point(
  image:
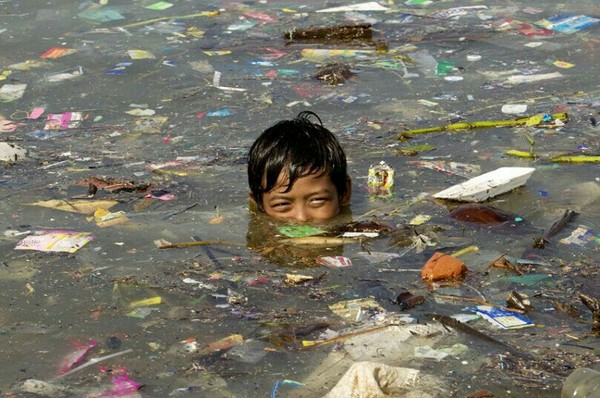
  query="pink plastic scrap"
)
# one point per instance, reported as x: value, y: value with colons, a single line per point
x: 160, y: 196
x: 261, y: 16
x: 63, y: 121
x: 121, y: 386
x: 334, y: 261
x: 76, y: 356
x: 273, y: 54
x: 8, y: 126
x: 35, y: 113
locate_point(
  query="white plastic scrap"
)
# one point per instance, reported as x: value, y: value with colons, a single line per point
x: 11, y: 152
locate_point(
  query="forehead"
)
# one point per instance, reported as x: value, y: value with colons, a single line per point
x: 283, y: 179
x: 316, y: 182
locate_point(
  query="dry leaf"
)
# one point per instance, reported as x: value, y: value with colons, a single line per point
x: 161, y: 242
x: 105, y: 218
x: 216, y: 220
x: 75, y: 206
x: 294, y: 279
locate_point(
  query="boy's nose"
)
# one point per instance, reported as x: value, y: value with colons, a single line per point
x: 301, y: 215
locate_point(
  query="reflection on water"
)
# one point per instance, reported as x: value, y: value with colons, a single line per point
x: 171, y: 99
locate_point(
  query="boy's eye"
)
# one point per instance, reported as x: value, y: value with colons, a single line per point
x: 318, y: 201
x: 280, y: 206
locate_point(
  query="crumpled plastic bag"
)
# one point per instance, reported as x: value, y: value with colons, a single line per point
x: 376, y: 380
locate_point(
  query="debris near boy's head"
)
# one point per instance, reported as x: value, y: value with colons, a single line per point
x: 113, y: 185
x: 334, y: 74
x: 297, y: 171
x: 594, y: 305
x: 343, y: 33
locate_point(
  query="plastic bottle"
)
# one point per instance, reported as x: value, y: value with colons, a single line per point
x: 582, y: 383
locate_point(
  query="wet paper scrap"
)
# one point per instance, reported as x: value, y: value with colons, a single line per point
x: 11, y: 92
x: 581, y: 236
x: 334, y: 261
x: 55, y: 241
x: 357, y: 310
x: 75, y: 206
x: 503, y: 318
x: 63, y: 121
x: 367, y: 6
x: 217, y: 83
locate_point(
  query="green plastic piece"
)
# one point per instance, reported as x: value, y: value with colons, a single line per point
x: 299, y: 231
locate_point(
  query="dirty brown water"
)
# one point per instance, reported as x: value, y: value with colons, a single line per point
x: 51, y: 300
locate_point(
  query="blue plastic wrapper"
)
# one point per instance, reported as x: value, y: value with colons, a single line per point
x: 503, y: 318
x: 567, y: 23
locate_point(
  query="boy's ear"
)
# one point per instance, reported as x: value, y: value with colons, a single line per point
x: 345, y: 200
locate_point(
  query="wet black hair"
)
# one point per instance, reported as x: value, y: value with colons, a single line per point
x: 299, y: 146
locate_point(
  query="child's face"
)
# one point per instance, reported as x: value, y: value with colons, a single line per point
x: 313, y: 198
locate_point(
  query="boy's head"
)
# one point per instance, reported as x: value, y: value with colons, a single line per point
x: 297, y: 171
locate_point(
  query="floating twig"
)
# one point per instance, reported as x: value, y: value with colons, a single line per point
x: 310, y: 344
x: 577, y: 159
x: 520, y: 154
x: 174, y: 213
x: 398, y: 270
x: 332, y: 33
x: 468, y: 249
x: 199, y: 243
x: 529, y: 121
x: 503, y: 262
x: 475, y: 300
x: 594, y: 305
x: 93, y: 361
x: 459, y: 326
x: 149, y: 21
x: 567, y: 217
x: 318, y: 241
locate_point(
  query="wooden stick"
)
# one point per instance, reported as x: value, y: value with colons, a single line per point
x: 468, y: 249
x: 559, y: 225
x: 318, y: 241
x: 93, y: 361
x: 310, y: 344
x: 480, y: 125
x: 337, y: 33
x: 491, y: 264
x: 475, y: 300
x: 520, y: 154
x: 577, y: 159
x: 200, y: 243
x: 149, y: 21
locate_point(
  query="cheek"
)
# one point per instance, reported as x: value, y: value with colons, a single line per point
x: 270, y: 212
x: 328, y: 211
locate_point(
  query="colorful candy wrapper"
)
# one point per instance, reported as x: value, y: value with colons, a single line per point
x: 63, y: 121
x: 121, y: 386
x: 380, y: 179
x: 567, y: 23
x: 55, y: 241
x: 76, y: 356
x: 334, y: 261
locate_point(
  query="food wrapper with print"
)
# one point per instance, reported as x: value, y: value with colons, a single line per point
x: 503, y: 318
x: 63, y: 121
x: 55, y: 241
x: 380, y: 179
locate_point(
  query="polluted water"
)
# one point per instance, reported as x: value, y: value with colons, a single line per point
x: 134, y: 265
